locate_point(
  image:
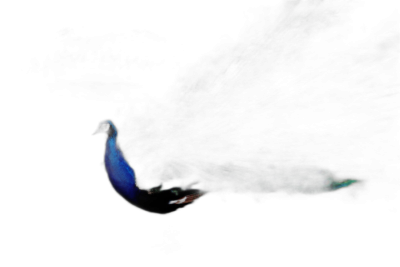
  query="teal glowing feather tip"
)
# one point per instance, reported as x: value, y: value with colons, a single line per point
x: 280, y: 112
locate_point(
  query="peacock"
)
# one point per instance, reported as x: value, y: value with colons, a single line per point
x: 289, y: 109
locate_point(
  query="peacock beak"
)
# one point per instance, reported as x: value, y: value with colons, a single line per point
x: 96, y: 132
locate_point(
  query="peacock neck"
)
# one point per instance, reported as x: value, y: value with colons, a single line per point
x: 121, y: 175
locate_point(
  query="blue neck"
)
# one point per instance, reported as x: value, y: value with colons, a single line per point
x: 121, y: 175
x: 122, y: 178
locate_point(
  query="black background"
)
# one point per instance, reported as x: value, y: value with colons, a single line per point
x: 74, y: 212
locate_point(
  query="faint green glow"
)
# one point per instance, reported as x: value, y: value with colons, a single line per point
x: 336, y: 185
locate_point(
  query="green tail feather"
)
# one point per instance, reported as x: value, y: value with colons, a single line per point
x: 336, y: 185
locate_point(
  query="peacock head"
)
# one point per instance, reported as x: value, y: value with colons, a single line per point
x: 107, y: 127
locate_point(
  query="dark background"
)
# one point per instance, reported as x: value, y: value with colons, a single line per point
x: 74, y: 75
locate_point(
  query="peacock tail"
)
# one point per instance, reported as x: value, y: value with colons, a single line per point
x: 286, y: 110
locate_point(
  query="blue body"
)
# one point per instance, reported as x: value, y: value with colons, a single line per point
x: 123, y: 179
x: 121, y: 175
